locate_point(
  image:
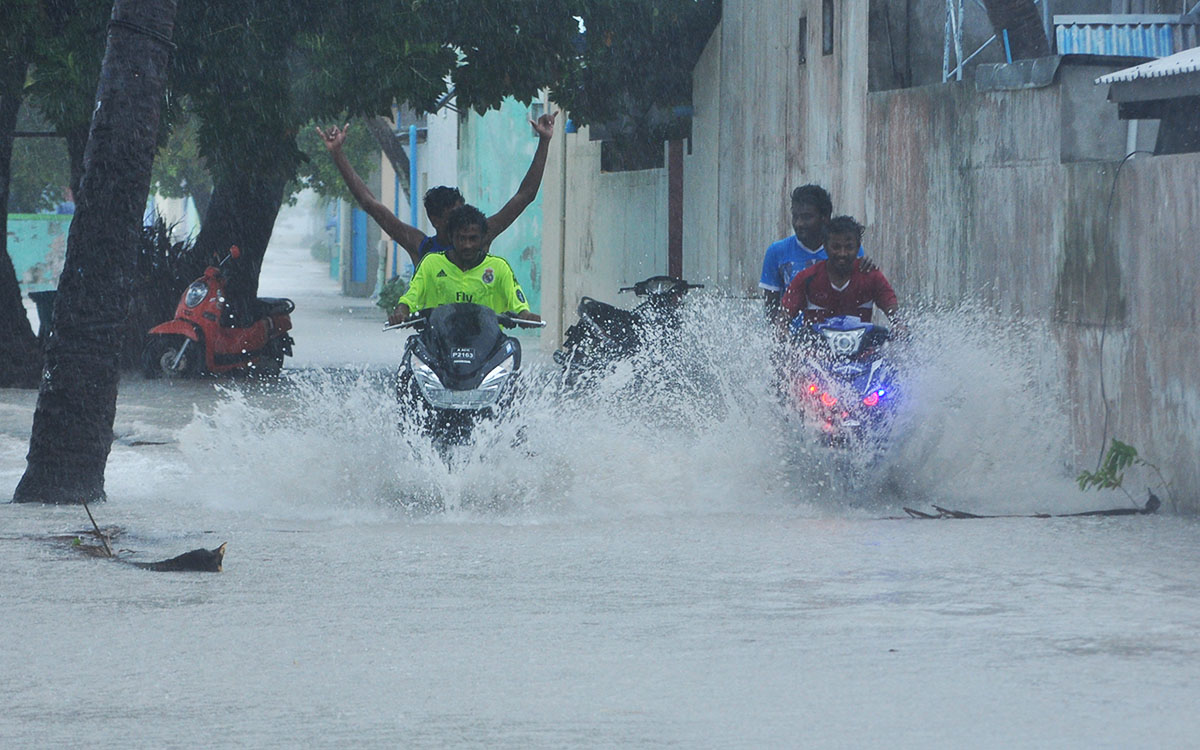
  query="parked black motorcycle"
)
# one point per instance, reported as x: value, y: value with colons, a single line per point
x: 459, y: 368
x: 606, y: 333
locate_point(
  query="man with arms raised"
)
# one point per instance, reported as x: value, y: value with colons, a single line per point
x: 440, y: 201
x: 464, y: 273
x: 839, y: 286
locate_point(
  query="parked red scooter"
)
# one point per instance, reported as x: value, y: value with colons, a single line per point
x: 203, y: 338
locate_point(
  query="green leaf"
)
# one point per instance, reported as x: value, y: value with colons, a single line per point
x: 1111, y: 474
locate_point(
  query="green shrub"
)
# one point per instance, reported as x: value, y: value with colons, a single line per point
x: 390, y: 294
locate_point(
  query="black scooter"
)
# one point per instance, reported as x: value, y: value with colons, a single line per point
x: 458, y: 368
x: 605, y: 334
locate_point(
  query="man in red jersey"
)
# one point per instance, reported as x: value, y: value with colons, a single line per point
x: 838, y: 286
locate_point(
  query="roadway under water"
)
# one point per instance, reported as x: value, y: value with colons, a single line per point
x: 670, y: 570
x: 979, y: 426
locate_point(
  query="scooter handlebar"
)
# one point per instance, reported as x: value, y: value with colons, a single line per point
x: 415, y: 320
x: 660, y: 286
x: 510, y: 321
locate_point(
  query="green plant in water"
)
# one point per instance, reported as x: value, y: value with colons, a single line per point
x: 390, y: 294
x: 1111, y: 473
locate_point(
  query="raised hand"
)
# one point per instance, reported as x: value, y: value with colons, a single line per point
x: 334, y: 137
x: 544, y: 125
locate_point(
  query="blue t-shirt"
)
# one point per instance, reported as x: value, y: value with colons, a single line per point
x: 430, y: 245
x: 785, y: 259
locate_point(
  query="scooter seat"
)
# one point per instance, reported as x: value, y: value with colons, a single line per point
x: 276, y: 305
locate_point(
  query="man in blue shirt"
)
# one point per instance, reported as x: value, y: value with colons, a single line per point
x: 811, y: 211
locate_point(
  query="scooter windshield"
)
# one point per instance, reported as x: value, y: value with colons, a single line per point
x: 462, y: 336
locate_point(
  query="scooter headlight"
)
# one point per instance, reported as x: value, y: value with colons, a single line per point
x: 438, y: 396
x: 844, y: 343
x: 499, y: 375
x: 426, y: 378
x: 195, y: 293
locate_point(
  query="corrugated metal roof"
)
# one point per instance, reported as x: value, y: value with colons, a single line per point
x: 1124, y: 35
x: 1187, y: 61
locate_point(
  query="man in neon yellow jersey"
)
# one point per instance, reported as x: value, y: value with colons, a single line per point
x: 464, y: 273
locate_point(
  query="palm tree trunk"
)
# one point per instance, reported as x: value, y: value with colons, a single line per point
x: 72, y: 425
x: 20, y: 355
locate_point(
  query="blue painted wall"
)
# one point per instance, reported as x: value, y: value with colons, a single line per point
x: 494, y: 153
x: 37, y: 244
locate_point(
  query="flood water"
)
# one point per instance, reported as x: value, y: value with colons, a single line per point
x: 674, y: 570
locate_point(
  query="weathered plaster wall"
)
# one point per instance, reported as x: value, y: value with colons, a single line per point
x: 702, y: 259
x: 969, y: 197
x: 783, y: 123
x: 494, y: 153
x: 1149, y: 354
x: 1001, y: 197
x: 613, y: 231
x: 37, y: 245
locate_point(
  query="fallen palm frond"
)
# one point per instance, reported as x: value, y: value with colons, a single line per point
x: 940, y: 513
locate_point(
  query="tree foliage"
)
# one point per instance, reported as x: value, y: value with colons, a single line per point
x: 68, y: 45
x: 249, y: 77
x: 41, y: 169
x: 636, y: 64
x: 66, y: 60
x: 318, y: 171
x: 180, y: 170
x: 255, y: 73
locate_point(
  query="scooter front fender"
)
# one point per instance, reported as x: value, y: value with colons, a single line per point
x: 177, y: 328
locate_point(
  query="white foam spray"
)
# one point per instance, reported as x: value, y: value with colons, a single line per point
x: 690, y: 425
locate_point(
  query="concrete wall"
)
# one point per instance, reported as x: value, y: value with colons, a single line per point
x: 979, y: 195
x: 37, y: 245
x: 1147, y: 354
x: 437, y: 164
x: 601, y: 230
x: 1001, y: 197
x: 781, y: 123
x: 494, y: 154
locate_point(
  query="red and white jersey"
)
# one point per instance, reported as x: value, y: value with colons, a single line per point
x: 812, y: 293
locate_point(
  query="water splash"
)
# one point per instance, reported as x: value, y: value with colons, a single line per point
x: 691, y: 425
x: 984, y: 422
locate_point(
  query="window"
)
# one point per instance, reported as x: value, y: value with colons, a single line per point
x: 803, y: 40
x: 827, y: 27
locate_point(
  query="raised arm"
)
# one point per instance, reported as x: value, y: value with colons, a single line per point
x: 528, y: 190
x: 409, y: 237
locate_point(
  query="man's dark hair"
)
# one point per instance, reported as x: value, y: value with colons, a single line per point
x: 465, y: 216
x: 441, y: 198
x: 845, y: 225
x: 815, y: 196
